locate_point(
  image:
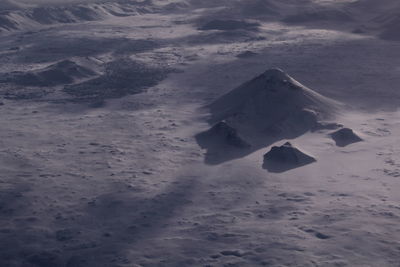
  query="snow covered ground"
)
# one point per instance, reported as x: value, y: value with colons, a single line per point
x: 101, y: 103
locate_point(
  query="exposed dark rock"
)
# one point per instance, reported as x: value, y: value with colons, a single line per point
x: 285, y: 157
x: 223, y: 133
x: 246, y: 54
x: 345, y: 136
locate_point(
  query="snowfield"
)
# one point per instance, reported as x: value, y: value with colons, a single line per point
x: 199, y: 133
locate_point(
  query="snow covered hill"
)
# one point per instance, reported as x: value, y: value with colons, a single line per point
x: 270, y: 107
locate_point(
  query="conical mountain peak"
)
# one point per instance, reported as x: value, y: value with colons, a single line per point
x: 276, y: 74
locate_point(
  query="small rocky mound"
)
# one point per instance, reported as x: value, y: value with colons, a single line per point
x: 246, y: 54
x: 122, y: 77
x: 345, y: 136
x: 64, y: 72
x: 224, y: 134
x: 285, y: 157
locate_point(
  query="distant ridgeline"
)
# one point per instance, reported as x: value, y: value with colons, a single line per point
x: 17, y: 17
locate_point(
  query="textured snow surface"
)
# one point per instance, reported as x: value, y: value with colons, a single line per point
x: 199, y: 133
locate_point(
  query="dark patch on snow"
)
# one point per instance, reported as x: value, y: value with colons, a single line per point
x: 222, y: 141
x: 317, y: 234
x: 285, y: 157
x: 224, y: 133
x: 246, y: 54
x: 345, y: 136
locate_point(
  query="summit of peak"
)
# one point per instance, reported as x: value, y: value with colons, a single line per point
x: 276, y: 74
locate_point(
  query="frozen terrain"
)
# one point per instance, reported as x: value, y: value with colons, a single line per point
x: 199, y: 133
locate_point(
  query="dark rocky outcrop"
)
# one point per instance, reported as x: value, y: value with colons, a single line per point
x: 285, y: 157
x: 345, y: 136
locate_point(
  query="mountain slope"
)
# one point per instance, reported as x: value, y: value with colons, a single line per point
x: 270, y: 100
x: 271, y: 107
